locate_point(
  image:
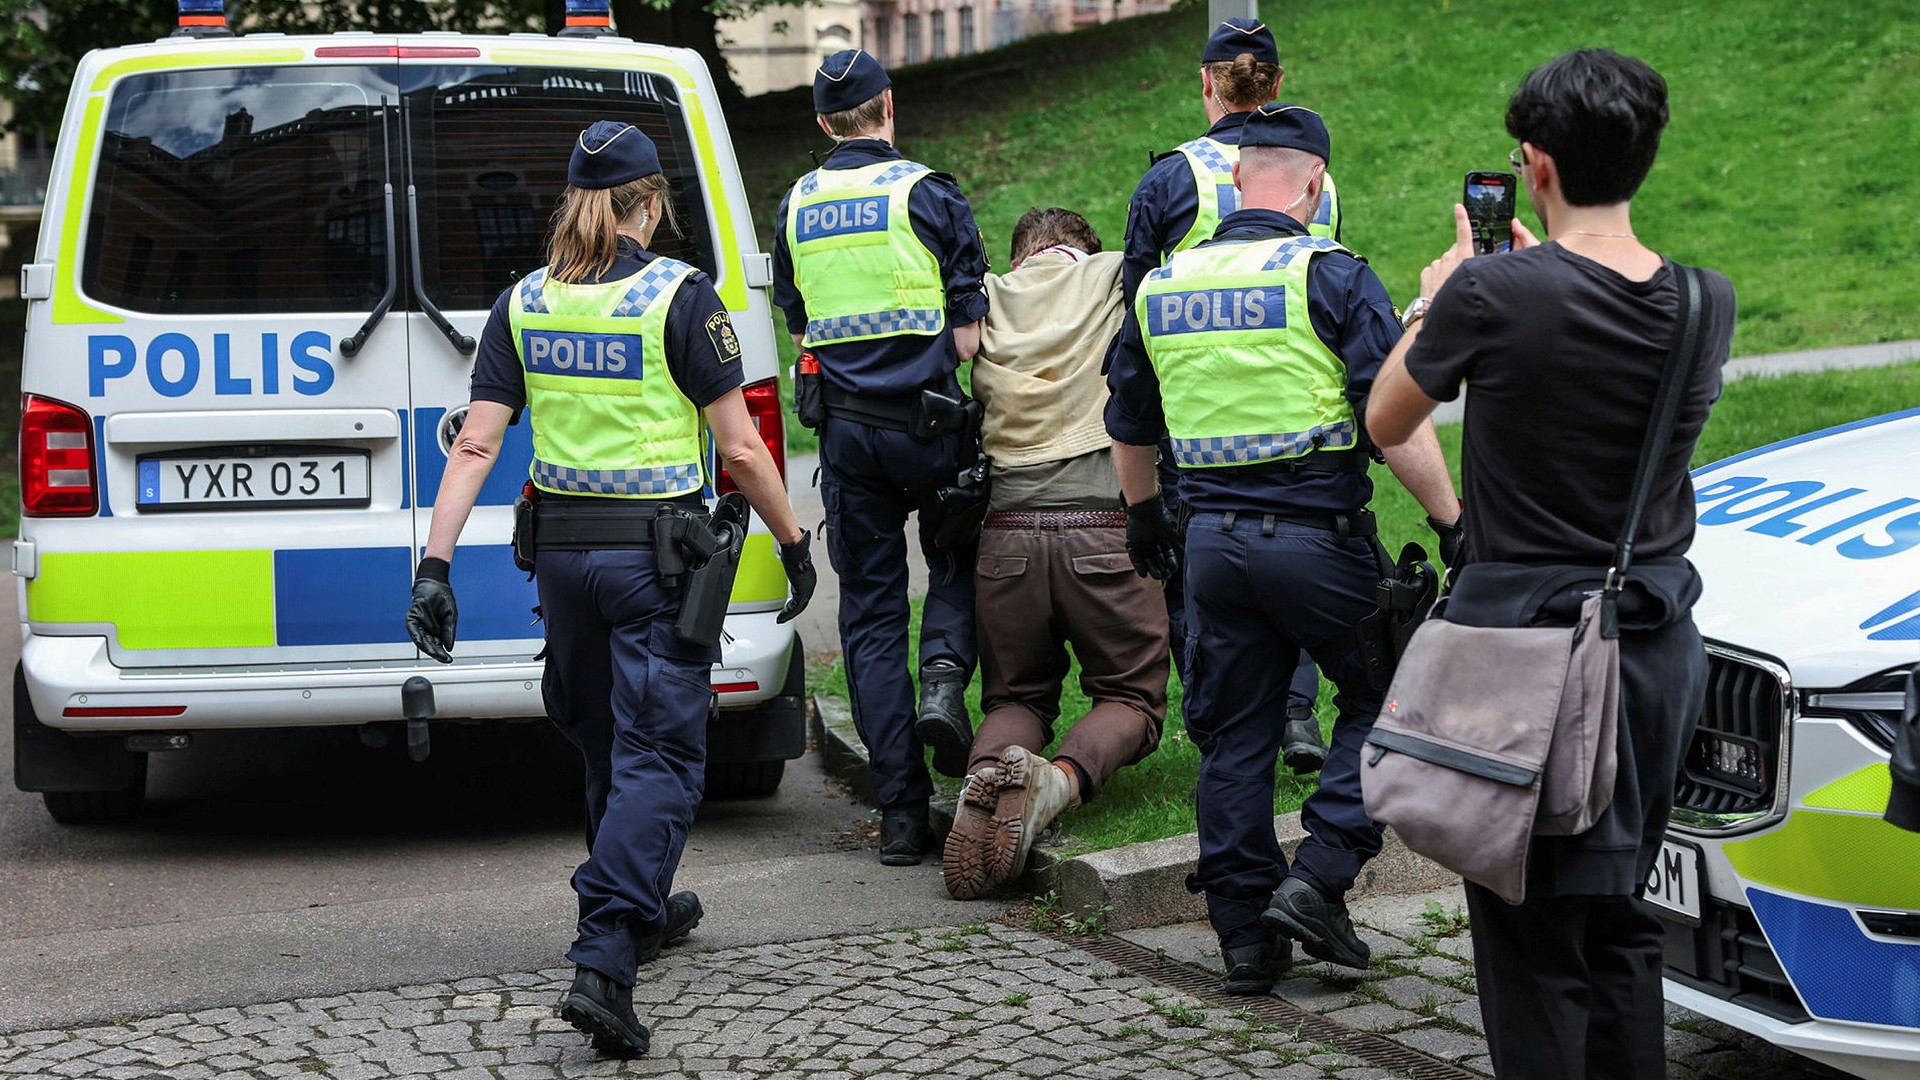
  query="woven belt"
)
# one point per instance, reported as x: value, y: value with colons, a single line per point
x: 1057, y: 519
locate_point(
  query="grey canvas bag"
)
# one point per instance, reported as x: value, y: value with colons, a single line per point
x: 1490, y: 736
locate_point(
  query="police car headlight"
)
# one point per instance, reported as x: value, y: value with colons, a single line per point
x: 1871, y: 705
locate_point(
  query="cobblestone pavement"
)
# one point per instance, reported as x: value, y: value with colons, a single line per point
x: 977, y: 1000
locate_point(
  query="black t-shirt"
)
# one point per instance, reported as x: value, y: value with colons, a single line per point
x: 703, y: 353
x: 1564, y: 356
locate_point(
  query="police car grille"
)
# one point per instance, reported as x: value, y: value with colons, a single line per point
x: 1747, y: 705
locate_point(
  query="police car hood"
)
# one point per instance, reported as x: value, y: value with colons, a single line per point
x: 1810, y: 550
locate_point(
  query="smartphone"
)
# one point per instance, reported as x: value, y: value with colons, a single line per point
x: 1489, y: 202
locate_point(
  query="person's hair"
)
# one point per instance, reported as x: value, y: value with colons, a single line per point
x: 1289, y: 161
x: 1040, y: 229
x: 1243, y: 82
x: 586, y: 227
x: 1600, y: 115
x: 866, y: 116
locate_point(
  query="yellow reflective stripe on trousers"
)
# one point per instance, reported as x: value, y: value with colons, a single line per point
x: 160, y: 599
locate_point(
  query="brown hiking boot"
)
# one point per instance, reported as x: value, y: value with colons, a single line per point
x: 965, y: 862
x: 1034, y: 792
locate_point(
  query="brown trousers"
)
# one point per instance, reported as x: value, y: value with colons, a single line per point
x: 1039, y: 589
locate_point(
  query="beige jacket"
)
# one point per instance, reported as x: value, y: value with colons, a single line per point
x: 1042, y: 343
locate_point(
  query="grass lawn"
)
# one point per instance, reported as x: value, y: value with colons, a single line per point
x: 1785, y: 165
x: 1154, y: 799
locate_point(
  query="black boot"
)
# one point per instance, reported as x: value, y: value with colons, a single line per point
x: 904, y: 836
x: 1319, y: 924
x: 603, y: 1010
x: 683, y: 914
x: 1252, y: 967
x: 1301, y: 746
x: 943, y: 722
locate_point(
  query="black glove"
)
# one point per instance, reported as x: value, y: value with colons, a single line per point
x: 432, y: 615
x: 797, y: 557
x: 1903, y: 803
x: 1153, y: 539
x: 1450, y: 537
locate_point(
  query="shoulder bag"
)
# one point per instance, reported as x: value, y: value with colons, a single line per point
x: 1492, y: 735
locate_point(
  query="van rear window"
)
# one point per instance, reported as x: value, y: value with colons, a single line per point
x: 262, y: 190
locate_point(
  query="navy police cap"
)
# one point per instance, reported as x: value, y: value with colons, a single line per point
x: 849, y: 78
x: 1295, y: 126
x: 609, y: 154
x: 1236, y: 36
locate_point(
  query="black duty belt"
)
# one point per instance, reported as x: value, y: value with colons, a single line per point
x: 1057, y: 519
x: 891, y: 411
x: 1359, y: 523
x: 620, y: 526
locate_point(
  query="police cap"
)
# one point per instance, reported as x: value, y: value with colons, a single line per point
x: 1236, y: 36
x: 849, y: 78
x: 1295, y: 126
x: 609, y: 154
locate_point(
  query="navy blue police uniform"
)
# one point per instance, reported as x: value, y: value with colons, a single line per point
x: 874, y: 473
x: 1278, y: 561
x: 1165, y: 206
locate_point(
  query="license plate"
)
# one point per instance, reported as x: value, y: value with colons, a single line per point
x: 254, y: 481
x: 1674, y: 883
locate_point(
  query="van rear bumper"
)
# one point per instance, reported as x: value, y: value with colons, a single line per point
x: 75, y: 673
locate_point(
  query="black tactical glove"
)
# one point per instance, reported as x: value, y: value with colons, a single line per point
x: 1153, y: 539
x: 1450, y: 538
x: 797, y: 557
x: 432, y: 615
x: 1903, y: 803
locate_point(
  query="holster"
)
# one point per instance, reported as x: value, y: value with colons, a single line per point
x: 524, y: 545
x: 1402, y: 600
x: 809, y: 391
x: 962, y: 507
x: 935, y: 414
x: 712, y: 549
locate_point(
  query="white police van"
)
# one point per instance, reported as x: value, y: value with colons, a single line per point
x: 1793, y: 908
x: 261, y: 268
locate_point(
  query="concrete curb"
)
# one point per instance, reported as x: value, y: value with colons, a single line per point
x: 1136, y: 885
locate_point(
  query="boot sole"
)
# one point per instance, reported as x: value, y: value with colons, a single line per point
x: 1006, y: 854
x: 950, y: 750
x: 1248, y: 987
x: 1313, y: 937
x: 966, y: 860
x: 1304, y: 761
x: 609, y: 1036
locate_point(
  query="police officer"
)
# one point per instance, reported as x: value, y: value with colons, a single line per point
x: 879, y: 268
x: 1179, y: 203
x: 617, y: 352
x: 1279, y: 549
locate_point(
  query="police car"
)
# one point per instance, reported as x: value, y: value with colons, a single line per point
x: 262, y: 263
x: 1792, y: 907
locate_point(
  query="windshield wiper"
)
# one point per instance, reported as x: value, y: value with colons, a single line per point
x: 458, y: 340
x: 351, y: 346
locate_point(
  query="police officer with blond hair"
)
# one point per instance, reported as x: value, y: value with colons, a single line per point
x: 1178, y: 204
x: 879, y: 268
x: 1279, y: 554
x: 618, y: 470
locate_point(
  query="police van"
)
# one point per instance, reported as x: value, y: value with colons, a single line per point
x: 262, y: 266
x: 1792, y: 907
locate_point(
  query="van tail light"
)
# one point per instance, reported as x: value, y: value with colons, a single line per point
x: 763, y: 404
x: 57, y: 477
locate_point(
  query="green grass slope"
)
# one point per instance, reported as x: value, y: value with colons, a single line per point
x: 1787, y: 164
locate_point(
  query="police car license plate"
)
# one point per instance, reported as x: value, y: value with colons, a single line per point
x: 1674, y: 883
x: 328, y: 479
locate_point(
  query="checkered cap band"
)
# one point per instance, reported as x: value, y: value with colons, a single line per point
x: 1297, y: 246
x: 666, y: 480
x: 901, y: 321
x: 533, y: 299
x: 1246, y: 449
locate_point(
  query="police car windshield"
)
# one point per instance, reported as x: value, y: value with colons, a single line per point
x: 261, y: 190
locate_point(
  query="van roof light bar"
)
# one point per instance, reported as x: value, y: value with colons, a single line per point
x: 203, y: 19
x: 588, y: 18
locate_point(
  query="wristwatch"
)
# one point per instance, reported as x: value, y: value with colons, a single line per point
x: 1415, y: 311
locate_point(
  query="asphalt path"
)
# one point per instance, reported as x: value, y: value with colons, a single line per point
x: 270, y: 864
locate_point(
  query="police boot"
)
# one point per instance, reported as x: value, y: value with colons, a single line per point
x: 965, y: 862
x: 683, y: 914
x: 1319, y: 924
x: 1301, y: 745
x: 1034, y: 793
x: 1252, y: 967
x: 603, y: 1010
x: 943, y: 721
x: 904, y: 836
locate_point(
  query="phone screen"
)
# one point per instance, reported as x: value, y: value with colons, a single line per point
x: 1489, y: 202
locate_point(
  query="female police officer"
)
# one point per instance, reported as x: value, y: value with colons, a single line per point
x: 617, y: 463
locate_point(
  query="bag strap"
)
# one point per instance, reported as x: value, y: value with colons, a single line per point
x: 1682, y: 358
